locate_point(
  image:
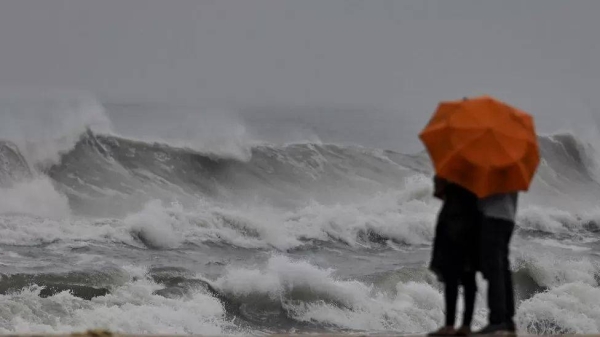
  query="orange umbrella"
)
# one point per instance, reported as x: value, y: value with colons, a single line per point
x: 483, y: 145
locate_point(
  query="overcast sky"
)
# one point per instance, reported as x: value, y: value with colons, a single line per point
x: 398, y: 58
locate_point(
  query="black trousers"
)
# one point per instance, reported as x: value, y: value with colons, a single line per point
x: 495, y: 266
x: 452, y: 282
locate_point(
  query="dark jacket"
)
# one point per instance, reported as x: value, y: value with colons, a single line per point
x: 456, y: 242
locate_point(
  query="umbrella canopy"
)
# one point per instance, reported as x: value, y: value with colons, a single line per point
x: 483, y: 145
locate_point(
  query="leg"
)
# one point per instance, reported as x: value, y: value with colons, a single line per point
x: 492, y: 265
x: 508, y: 283
x: 451, y: 294
x: 510, y: 301
x: 470, y: 288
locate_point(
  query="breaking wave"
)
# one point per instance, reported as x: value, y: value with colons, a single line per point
x: 237, y: 244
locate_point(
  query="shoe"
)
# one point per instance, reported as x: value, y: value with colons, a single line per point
x: 502, y: 329
x: 463, y: 331
x: 443, y: 331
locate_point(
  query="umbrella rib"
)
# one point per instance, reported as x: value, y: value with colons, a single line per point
x: 508, y: 134
x: 445, y: 161
x: 461, y: 127
x: 501, y: 146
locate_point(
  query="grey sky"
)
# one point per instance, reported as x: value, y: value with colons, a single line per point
x: 395, y: 58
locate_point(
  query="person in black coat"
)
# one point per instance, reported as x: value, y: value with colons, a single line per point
x: 455, y: 256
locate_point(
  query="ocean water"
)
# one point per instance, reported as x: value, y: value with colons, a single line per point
x: 148, y: 233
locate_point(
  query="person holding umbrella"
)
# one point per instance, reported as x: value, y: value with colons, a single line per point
x: 490, y: 149
x: 455, y: 257
x: 497, y: 227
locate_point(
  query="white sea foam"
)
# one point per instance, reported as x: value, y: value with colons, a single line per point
x: 552, y: 269
x: 313, y: 294
x: 33, y: 212
x: 570, y: 308
x: 406, y: 217
x: 130, y: 308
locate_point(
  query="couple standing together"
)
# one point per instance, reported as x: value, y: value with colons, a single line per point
x: 484, y: 152
x: 473, y: 234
